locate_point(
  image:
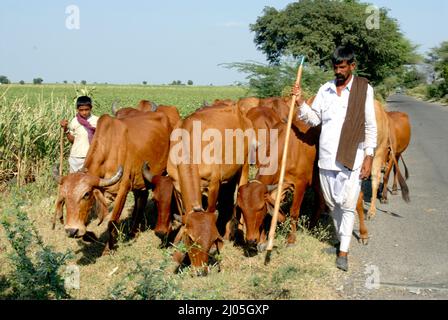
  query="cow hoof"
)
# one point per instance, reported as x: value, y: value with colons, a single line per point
x: 394, y: 192
x: 262, y: 247
x: 384, y: 201
x: 365, y: 241
x: 371, y: 216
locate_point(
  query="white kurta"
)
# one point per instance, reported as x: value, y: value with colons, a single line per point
x: 340, y: 186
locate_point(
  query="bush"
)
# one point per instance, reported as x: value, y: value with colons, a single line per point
x: 35, y: 275
x: 38, y: 80
x: 4, y: 80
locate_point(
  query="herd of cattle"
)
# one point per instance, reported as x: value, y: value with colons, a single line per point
x: 209, y: 202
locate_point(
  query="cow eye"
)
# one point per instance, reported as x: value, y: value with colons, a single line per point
x: 87, y: 195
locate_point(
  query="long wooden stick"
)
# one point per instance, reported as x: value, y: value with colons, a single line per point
x: 282, y: 170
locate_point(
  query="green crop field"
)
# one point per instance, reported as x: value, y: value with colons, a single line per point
x: 33, y: 258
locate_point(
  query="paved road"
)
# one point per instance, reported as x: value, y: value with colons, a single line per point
x: 409, y: 242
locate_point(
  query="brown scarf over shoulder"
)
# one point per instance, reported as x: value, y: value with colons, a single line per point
x: 353, y: 131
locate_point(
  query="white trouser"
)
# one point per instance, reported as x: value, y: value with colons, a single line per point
x: 75, y: 163
x: 341, y: 191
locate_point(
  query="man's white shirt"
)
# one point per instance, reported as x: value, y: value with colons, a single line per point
x: 330, y: 110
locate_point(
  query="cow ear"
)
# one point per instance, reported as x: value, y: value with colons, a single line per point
x: 102, y: 209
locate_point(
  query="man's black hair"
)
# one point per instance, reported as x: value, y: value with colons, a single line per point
x: 343, y: 53
x: 83, y: 101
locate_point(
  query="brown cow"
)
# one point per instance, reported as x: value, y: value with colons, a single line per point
x: 217, y: 179
x: 256, y: 199
x: 118, y: 143
x: 400, y: 137
x: 381, y: 155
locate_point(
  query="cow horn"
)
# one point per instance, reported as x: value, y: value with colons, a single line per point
x: 154, y: 106
x: 111, y: 181
x: 55, y: 172
x: 146, y: 172
x: 114, y: 107
x: 178, y: 218
x: 271, y: 187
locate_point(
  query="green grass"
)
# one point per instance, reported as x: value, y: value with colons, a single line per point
x: 139, y: 269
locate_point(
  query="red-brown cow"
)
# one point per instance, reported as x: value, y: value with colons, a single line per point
x: 400, y: 137
x: 257, y: 198
x: 118, y: 143
x: 216, y: 177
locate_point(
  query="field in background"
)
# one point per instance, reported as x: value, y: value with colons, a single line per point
x: 139, y: 269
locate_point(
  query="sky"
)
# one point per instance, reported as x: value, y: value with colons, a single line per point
x: 159, y: 41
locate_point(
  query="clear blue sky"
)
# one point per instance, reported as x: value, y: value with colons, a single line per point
x: 159, y: 41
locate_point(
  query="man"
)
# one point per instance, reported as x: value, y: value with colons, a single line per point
x: 345, y: 109
x: 80, y: 132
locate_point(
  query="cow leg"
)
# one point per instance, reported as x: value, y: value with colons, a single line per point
x: 299, y: 192
x: 395, y: 185
x: 376, y: 176
x: 212, y: 198
x: 112, y: 228
x: 141, y: 199
x: 386, y: 181
x: 363, y: 232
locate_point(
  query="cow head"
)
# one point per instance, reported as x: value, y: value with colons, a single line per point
x: 79, y: 191
x: 253, y: 200
x: 201, y: 236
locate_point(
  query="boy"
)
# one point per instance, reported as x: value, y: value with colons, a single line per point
x: 80, y: 132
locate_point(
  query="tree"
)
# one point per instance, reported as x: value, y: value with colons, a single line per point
x: 145, y: 83
x: 22, y: 82
x: 190, y: 82
x: 38, y: 80
x: 4, y: 80
x: 314, y: 28
x: 438, y: 57
x: 83, y: 82
x: 276, y: 80
x: 65, y: 81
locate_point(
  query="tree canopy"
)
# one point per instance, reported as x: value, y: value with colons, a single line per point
x: 314, y: 28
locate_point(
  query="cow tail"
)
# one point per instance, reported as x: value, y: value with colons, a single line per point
x: 403, y: 185
x: 406, y: 171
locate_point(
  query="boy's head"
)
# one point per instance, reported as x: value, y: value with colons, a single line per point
x: 84, y: 106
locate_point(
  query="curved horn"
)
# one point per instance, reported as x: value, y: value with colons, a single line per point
x: 111, y: 181
x: 146, y: 172
x: 114, y: 107
x: 271, y: 187
x: 55, y: 172
x: 154, y: 106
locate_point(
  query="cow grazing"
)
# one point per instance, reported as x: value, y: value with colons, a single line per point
x: 216, y: 179
x: 118, y: 143
x: 257, y: 198
x: 400, y: 137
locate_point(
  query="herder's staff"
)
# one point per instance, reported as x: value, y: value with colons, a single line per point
x: 282, y: 170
